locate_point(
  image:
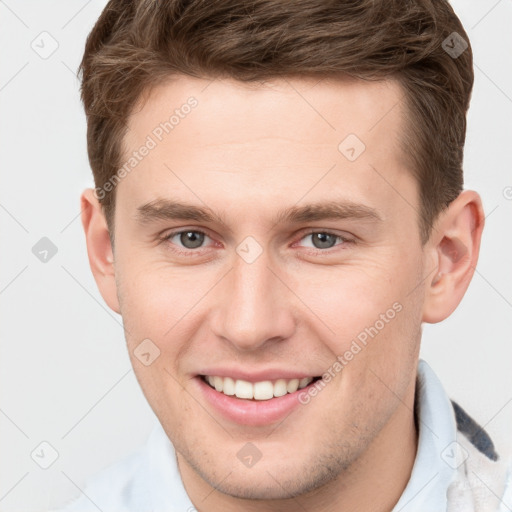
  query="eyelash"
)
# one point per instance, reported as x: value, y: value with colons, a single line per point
x: 190, y: 252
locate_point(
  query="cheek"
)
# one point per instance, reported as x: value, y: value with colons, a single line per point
x: 374, y: 321
x: 346, y: 301
x: 154, y: 298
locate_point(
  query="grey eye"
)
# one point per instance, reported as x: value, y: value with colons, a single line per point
x: 191, y: 239
x: 323, y: 240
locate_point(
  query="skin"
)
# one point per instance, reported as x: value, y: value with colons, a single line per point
x: 246, y: 152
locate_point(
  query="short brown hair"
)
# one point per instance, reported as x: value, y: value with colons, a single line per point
x: 137, y: 44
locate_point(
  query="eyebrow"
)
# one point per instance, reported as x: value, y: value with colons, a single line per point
x: 167, y: 209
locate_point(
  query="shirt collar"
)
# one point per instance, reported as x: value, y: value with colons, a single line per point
x: 165, y: 484
x: 432, y: 471
x: 427, y: 486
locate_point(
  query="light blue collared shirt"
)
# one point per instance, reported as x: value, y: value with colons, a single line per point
x: 431, y: 474
x: 149, y: 480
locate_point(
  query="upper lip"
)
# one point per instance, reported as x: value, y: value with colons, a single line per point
x: 257, y: 376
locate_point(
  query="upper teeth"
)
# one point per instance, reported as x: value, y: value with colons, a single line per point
x: 264, y: 390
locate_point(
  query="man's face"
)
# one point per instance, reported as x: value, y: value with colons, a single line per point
x: 262, y: 291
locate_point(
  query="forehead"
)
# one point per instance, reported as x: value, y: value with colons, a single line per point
x: 287, y: 137
x: 332, y: 108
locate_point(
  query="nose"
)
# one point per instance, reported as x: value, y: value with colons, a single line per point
x: 253, y: 306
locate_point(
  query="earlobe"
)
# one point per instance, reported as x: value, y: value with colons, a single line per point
x: 99, y: 248
x: 455, y: 245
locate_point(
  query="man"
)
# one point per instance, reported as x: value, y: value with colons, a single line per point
x: 278, y: 209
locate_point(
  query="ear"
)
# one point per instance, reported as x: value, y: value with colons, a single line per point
x: 99, y: 248
x: 453, y: 251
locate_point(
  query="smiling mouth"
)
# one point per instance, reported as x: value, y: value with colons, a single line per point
x: 263, y: 390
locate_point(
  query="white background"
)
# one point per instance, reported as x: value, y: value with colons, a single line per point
x: 65, y: 374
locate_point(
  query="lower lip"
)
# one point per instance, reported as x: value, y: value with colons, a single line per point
x: 251, y: 412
